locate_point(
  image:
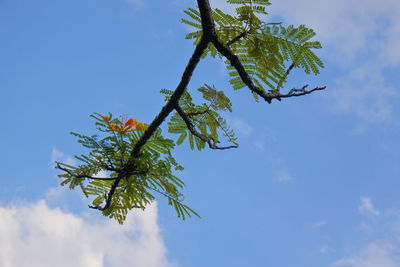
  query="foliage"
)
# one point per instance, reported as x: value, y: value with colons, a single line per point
x: 205, y: 117
x: 263, y: 47
x: 129, y: 161
x: 153, y: 172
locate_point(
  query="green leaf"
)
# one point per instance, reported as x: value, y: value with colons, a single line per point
x: 181, y: 138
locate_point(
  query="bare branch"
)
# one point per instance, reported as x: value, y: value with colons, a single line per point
x: 300, y: 92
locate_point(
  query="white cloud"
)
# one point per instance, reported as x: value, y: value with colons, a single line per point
x: 366, y: 206
x: 382, y: 251
x: 52, y: 237
x: 378, y: 253
x: 365, y: 92
x: 372, y: 255
x: 239, y: 126
x: 347, y: 25
x: 284, y: 176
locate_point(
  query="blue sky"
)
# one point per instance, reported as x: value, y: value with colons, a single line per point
x: 314, y: 182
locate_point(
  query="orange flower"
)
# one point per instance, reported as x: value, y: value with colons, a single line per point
x: 126, y: 125
x: 132, y: 123
x: 106, y: 118
x: 141, y: 126
x: 113, y: 127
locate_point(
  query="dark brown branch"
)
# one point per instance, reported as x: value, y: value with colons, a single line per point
x: 84, y: 176
x: 235, y: 62
x: 284, y: 77
x: 113, y: 169
x: 110, y: 194
x: 210, y: 141
x: 173, y: 101
x: 191, y: 114
x: 300, y: 92
x: 208, y: 28
x: 207, y: 22
x: 208, y: 33
x: 237, y: 38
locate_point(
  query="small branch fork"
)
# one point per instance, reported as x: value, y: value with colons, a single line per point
x: 84, y: 176
x: 209, y: 36
x: 210, y: 141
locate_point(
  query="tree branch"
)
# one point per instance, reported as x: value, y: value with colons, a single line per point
x: 84, y: 176
x: 173, y: 101
x: 110, y: 194
x: 209, y: 35
x: 300, y: 92
x: 235, y: 62
x: 278, y: 87
x: 237, y: 38
x: 191, y: 114
x: 210, y: 141
x: 208, y: 29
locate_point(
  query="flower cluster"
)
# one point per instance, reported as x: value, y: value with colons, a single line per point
x: 125, y: 125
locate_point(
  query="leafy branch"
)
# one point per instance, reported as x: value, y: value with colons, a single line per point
x: 139, y: 159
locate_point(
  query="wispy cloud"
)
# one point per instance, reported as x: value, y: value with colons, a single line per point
x: 367, y: 207
x: 319, y: 224
x: 374, y: 254
x: 57, y: 155
x: 382, y: 251
x: 362, y: 43
x: 365, y: 93
x: 340, y: 25
x: 284, y: 176
x: 264, y: 138
x: 239, y: 126
x: 52, y: 237
x: 324, y: 249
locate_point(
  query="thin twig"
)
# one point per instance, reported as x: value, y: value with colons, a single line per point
x: 191, y: 114
x: 84, y: 176
x: 237, y: 38
x: 210, y: 141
